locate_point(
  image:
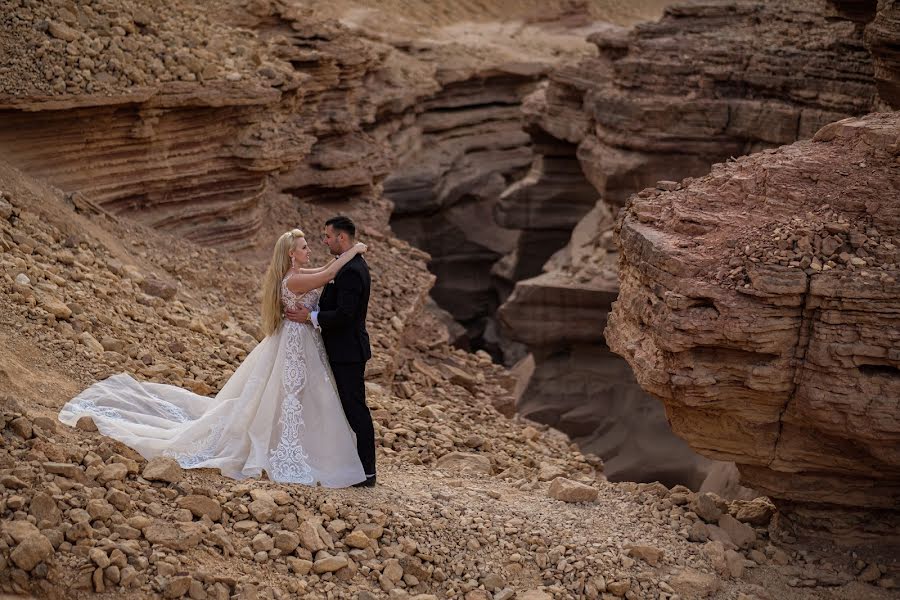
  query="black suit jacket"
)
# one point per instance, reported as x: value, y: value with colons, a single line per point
x: 342, y: 313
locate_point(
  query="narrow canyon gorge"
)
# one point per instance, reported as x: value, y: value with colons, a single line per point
x: 649, y: 249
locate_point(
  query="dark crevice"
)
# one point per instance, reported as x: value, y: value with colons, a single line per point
x: 879, y: 370
x: 325, y: 195
x: 804, y: 333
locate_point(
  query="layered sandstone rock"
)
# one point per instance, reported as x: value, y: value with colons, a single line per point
x: 578, y: 385
x: 881, y: 39
x: 201, y: 113
x: 460, y: 148
x: 661, y: 102
x: 759, y: 303
x: 469, y: 146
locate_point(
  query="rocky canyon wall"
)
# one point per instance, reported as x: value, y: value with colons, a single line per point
x: 662, y: 101
x: 186, y: 123
x: 760, y: 304
x: 457, y: 154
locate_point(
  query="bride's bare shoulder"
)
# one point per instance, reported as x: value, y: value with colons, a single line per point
x: 300, y: 283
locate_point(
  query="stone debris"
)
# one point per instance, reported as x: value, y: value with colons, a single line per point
x: 467, y: 504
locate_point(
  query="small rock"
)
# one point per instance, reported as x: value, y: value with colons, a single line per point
x: 741, y: 534
x: 755, y: 512
x: 708, y: 507
x: 648, y: 554
x: 870, y: 574
x: 549, y: 472
x: 263, y: 509
x: 699, y: 532
x: 262, y: 542
x: 62, y: 31
x: 619, y: 588
x: 572, y: 491
x: 667, y: 186
x: 691, y: 583
x: 22, y: 427
x: 357, y: 539
x: 201, y: 506
x: 19, y: 530
x: 176, y: 587
x: 159, y: 288
x: 113, y: 472
x: 163, y: 468
x: 45, y: 511
x: 309, y: 537
x: 329, y: 564
x: 300, y: 566
x: 85, y: 424
x: 112, y: 345
x: 181, y: 537
x: 286, y: 541
x: 55, y: 307
x: 99, y: 557
x: 31, y: 551
x: 90, y: 342
x: 465, y: 462
x: 735, y: 563
x: 534, y: 595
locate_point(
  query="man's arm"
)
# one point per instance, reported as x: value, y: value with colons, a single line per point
x: 349, y: 288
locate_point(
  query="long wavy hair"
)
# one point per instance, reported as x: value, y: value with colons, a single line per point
x: 278, y: 268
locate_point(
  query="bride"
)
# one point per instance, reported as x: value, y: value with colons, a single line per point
x: 279, y: 412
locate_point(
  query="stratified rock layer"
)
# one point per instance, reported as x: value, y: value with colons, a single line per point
x: 760, y: 304
x: 665, y: 100
x: 189, y: 144
x: 460, y: 148
x: 881, y: 39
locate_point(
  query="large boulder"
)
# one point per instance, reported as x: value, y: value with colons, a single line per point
x: 760, y: 303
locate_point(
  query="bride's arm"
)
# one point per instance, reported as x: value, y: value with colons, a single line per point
x: 315, y: 270
x: 304, y: 282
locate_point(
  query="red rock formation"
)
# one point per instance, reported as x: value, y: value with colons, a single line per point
x: 760, y: 304
x: 662, y: 101
x: 881, y: 39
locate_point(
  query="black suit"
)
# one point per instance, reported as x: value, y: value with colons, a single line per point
x: 342, y: 317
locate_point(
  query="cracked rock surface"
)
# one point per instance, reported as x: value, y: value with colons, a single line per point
x: 760, y: 304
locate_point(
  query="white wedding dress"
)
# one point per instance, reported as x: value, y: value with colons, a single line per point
x: 279, y: 413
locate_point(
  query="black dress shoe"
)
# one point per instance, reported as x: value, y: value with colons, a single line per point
x: 369, y: 482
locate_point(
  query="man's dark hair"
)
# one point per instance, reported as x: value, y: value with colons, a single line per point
x: 342, y: 223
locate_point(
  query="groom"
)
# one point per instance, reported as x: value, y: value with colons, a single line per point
x: 342, y: 320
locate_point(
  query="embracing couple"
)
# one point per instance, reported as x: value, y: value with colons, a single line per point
x: 295, y: 408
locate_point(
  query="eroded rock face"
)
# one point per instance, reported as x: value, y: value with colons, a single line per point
x: 579, y: 386
x: 760, y: 304
x: 661, y: 102
x: 881, y: 39
x: 469, y: 146
x: 458, y: 151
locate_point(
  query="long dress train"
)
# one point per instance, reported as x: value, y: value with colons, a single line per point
x: 278, y: 413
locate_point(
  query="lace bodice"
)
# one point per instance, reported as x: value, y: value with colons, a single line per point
x: 308, y: 300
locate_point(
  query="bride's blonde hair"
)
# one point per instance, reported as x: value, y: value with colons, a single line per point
x: 278, y: 268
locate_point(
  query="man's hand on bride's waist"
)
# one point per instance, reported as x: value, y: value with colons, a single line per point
x: 297, y: 315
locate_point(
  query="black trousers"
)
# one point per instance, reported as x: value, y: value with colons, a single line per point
x: 351, y: 385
